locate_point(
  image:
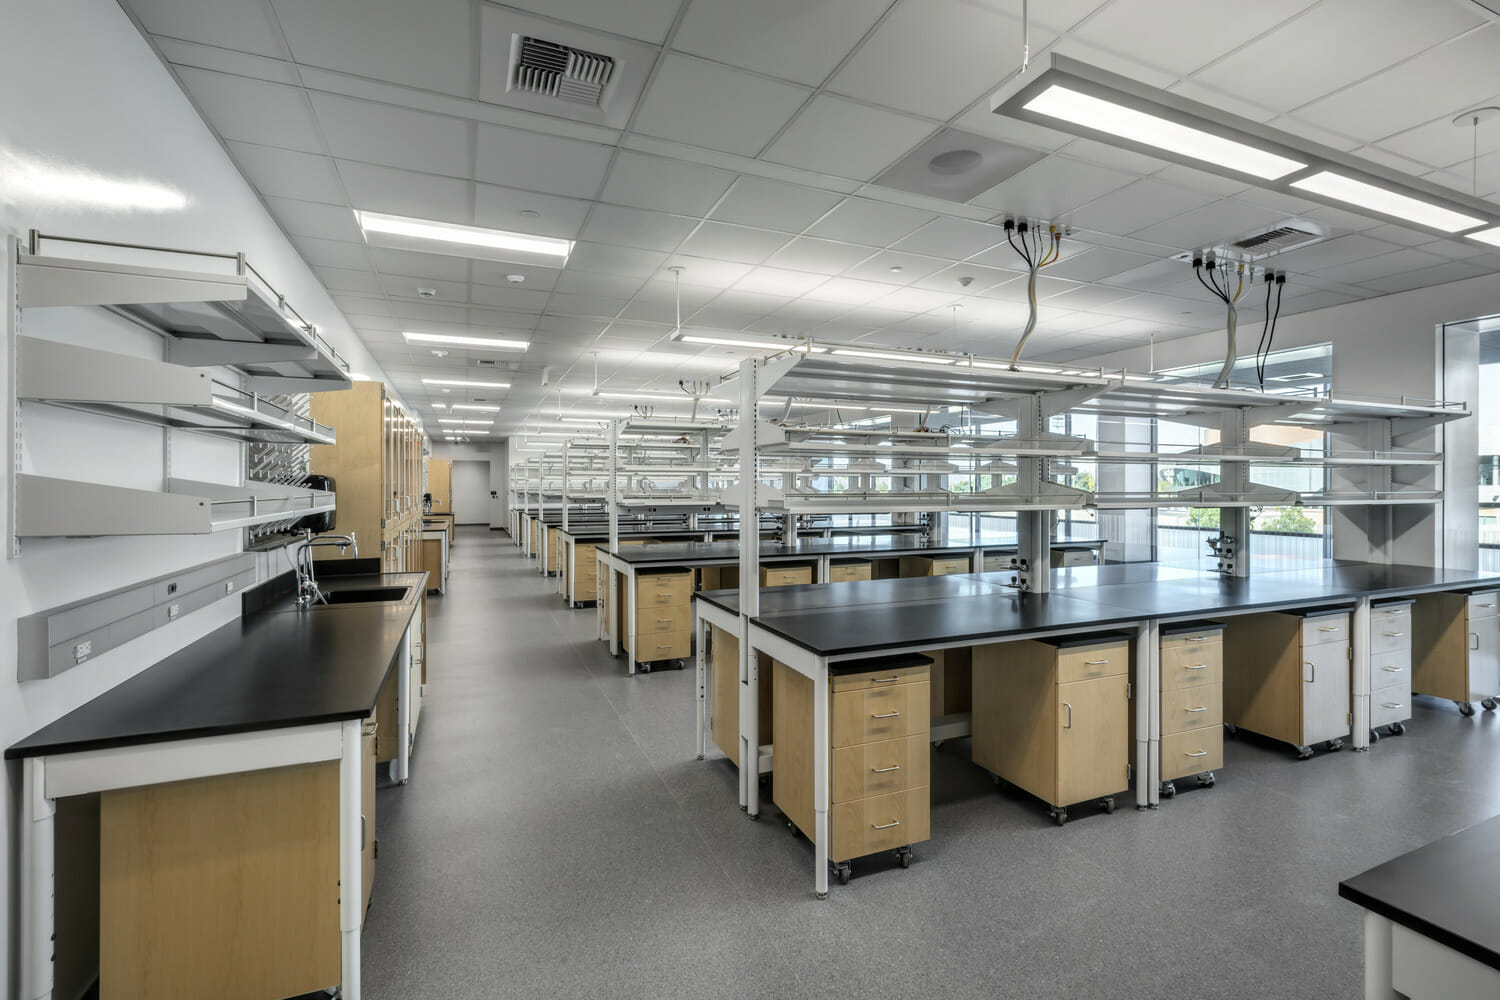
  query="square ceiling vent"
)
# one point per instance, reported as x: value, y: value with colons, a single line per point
x: 559, y: 69
x: 957, y: 166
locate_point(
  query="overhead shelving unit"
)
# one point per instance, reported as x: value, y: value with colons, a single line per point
x: 222, y: 314
x: 52, y: 508
x: 658, y: 465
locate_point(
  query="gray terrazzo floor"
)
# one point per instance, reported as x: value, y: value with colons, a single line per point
x: 558, y: 839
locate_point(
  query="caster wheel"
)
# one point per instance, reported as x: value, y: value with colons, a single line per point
x: 904, y: 856
x: 1109, y: 806
x: 1231, y: 730
x: 1465, y: 709
x: 1168, y: 789
x: 1374, y: 736
x: 1397, y: 728
x: 1304, y: 753
x: 644, y: 668
x: 1489, y: 704
x: 1206, y: 780
x: 1060, y: 816
x: 937, y: 745
x: 845, y: 873
x: 1334, y: 745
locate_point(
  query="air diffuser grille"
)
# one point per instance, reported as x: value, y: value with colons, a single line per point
x: 549, y: 69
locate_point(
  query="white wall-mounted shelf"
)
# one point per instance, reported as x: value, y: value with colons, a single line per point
x: 55, y: 508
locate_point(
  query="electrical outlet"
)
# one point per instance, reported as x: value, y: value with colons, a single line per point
x: 171, y: 589
x: 82, y: 650
x: 173, y: 610
x: 228, y: 586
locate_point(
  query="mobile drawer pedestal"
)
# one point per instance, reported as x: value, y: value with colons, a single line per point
x: 1391, y: 632
x: 1457, y: 646
x: 1286, y: 676
x: 1192, y: 703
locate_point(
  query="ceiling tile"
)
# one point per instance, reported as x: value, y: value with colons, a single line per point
x: 704, y: 104
x: 1099, y: 262
x: 797, y: 40
x: 982, y: 121
x: 954, y: 239
x: 1340, y: 250
x: 912, y: 267
x: 420, y: 265
x: 1208, y: 225
x: 253, y: 111
x: 702, y: 272
x: 1053, y: 187
x: 393, y: 137
x: 510, y: 297
x: 1453, y: 270
x: 845, y: 139
x: 935, y: 57
x: 1199, y: 31
x: 663, y: 185
x: 340, y: 279
x: 633, y: 228
x: 621, y: 262
x: 980, y: 278
x: 1386, y: 265
x: 535, y: 161
x: 647, y: 20
x: 399, y: 286
x: 779, y: 281
x: 735, y: 243
x: 501, y: 208
x: 1089, y: 298
x: 1313, y: 55
x: 849, y: 291
x: 227, y: 24
x: 424, y: 45
x: 818, y: 256
x: 288, y: 174
x: 1461, y: 72
x: 401, y: 192
x: 328, y: 253
x: 872, y: 223
x: 603, y: 306
x: 920, y: 300
x: 309, y: 218
x: 790, y: 208
x: 1136, y: 206
x: 537, y: 279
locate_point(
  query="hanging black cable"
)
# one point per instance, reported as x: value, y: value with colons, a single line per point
x: 1271, y: 337
x: 1261, y: 351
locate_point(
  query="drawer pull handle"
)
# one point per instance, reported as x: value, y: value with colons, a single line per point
x: 888, y: 715
x: 1391, y: 670
x: 1197, y: 753
x: 1197, y: 638
x: 1473, y: 640
x: 1196, y: 666
x: 1094, y: 663
x: 1328, y: 628
x: 885, y: 680
x: 1393, y: 704
x: 663, y: 621
x: 1201, y: 708
x: 1314, y: 668
x: 1392, y: 635
x: 1070, y: 715
x: 883, y: 770
x: 1491, y: 604
x: 885, y: 826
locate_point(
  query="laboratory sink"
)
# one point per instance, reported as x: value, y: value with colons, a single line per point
x: 367, y: 595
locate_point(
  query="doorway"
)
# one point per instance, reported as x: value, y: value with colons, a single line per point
x: 471, y: 492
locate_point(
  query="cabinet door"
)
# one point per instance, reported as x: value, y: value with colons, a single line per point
x: 1092, y: 718
x: 1484, y: 657
x: 1325, y: 692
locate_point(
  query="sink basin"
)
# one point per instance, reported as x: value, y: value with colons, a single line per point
x: 367, y: 595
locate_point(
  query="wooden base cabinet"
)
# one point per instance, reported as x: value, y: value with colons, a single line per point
x: 663, y: 615
x: 1052, y: 717
x: 724, y: 691
x: 1286, y: 676
x: 1456, y: 638
x: 879, y: 792
x: 1192, y: 703
x: 933, y: 565
x: 777, y: 575
x: 849, y: 570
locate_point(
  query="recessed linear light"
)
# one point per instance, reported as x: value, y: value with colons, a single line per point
x: 481, y: 409
x: 1490, y: 236
x: 466, y: 421
x: 602, y: 418
x: 471, y: 385
x: 466, y: 236
x: 477, y: 343
x: 439, y: 406
x: 657, y: 397
x: 1386, y: 202
x: 916, y: 357
x: 753, y: 343
x: 1152, y: 130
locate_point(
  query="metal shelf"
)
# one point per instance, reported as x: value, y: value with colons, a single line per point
x: 51, y: 508
x: 154, y: 392
x: 1273, y: 456
x: 231, y: 317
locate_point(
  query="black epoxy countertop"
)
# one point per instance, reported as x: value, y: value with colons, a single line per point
x: 830, y: 619
x: 811, y: 548
x: 1448, y: 890
x: 270, y: 670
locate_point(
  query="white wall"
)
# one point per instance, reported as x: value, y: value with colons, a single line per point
x: 88, y: 95
x: 496, y: 453
x: 1387, y: 346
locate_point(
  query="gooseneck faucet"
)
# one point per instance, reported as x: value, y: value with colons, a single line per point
x: 308, y: 593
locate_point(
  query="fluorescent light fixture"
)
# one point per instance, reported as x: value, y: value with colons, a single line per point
x: 602, y: 418
x: 466, y: 236
x: 1100, y: 115
x: 466, y: 421
x: 477, y: 343
x: 657, y: 397
x: 439, y: 406
x: 471, y: 406
x: 915, y: 357
x: 471, y: 385
x: 1490, y: 236
x: 1378, y: 199
x: 752, y: 343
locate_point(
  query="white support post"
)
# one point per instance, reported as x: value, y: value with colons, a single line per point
x: 1140, y: 686
x: 1153, y: 707
x: 750, y: 393
x: 700, y: 663
x: 820, y: 766
x: 1379, y: 971
x: 351, y: 851
x: 1359, y: 674
x: 38, y: 847
x: 1033, y: 561
x: 1233, y: 544
x: 567, y: 466
x: 401, y: 766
